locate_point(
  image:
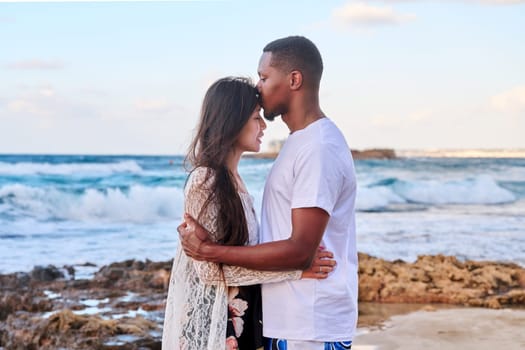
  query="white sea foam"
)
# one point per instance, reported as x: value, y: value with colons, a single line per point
x: 100, y: 169
x: 481, y: 189
x: 376, y: 198
x: 140, y: 204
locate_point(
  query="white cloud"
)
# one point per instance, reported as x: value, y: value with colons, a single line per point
x: 384, y: 122
x: 153, y: 105
x: 414, y: 117
x: 39, y: 101
x: 361, y: 14
x: 420, y: 116
x: 46, y: 91
x: 36, y: 65
x: 21, y: 105
x: 512, y: 100
x: 44, y: 105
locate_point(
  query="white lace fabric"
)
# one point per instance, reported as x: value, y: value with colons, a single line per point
x: 197, y: 304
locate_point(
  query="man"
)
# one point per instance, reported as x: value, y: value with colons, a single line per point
x: 309, y: 200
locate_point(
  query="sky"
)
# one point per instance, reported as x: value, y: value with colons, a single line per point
x: 129, y: 77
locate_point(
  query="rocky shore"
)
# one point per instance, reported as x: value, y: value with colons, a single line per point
x: 375, y: 153
x: 441, y: 279
x: 122, y: 305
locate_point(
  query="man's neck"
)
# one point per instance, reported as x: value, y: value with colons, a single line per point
x: 303, y: 110
x: 299, y: 121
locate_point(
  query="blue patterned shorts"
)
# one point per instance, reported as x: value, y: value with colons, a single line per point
x: 281, y: 344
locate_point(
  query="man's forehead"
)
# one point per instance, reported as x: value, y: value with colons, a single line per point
x: 264, y: 61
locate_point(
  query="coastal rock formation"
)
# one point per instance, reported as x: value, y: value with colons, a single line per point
x: 441, y: 279
x: 66, y: 329
x: 376, y: 153
x: 135, y: 275
x: 122, y: 306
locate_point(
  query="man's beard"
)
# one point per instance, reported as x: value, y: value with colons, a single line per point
x: 271, y: 115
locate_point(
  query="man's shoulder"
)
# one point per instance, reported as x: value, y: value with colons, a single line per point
x: 323, y: 138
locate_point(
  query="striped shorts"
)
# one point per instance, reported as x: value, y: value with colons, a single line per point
x: 283, y: 344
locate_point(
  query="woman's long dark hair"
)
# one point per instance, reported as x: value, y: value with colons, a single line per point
x: 227, y: 107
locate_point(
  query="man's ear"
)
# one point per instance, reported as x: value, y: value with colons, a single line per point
x: 296, y: 80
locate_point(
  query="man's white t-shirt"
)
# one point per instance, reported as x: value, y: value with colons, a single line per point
x: 314, y: 169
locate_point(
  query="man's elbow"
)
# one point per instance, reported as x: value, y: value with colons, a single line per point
x: 300, y: 255
x: 303, y: 261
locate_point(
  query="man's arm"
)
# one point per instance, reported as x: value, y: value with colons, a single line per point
x: 296, y: 252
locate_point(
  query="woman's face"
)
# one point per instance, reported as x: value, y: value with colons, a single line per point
x: 250, y: 138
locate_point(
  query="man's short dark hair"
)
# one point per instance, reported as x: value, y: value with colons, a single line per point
x: 297, y: 53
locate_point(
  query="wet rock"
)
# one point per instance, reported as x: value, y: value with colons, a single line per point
x: 68, y: 330
x: 46, y: 274
x: 135, y: 275
x: 11, y: 302
x: 441, y: 279
x: 160, y: 279
x: 12, y: 281
x: 80, y: 284
x: 70, y: 270
x: 120, y: 294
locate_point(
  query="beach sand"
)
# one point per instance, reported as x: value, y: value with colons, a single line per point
x: 390, y: 327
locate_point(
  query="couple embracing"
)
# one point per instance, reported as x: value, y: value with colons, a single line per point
x: 290, y: 282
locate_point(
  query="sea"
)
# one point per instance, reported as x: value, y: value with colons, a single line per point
x: 91, y: 210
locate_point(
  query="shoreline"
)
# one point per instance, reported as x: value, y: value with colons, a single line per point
x: 434, y: 327
x: 122, y: 305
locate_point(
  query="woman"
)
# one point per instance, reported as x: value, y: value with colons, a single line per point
x: 212, y: 306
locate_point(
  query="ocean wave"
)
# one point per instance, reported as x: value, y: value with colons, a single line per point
x: 139, y: 204
x: 376, y: 198
x: 98, y: 169
x: 482, y: 190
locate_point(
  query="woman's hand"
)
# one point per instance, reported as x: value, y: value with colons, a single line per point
x: 322, y: 265
x: 231, y: 343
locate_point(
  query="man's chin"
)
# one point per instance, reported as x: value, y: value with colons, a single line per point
x: 270, y: 117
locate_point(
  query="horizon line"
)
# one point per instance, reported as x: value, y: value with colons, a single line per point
x: 400, y: 152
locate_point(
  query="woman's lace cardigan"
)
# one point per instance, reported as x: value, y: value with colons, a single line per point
x: 197, y: 305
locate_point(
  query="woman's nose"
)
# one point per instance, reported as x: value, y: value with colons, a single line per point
x: 263, y: 124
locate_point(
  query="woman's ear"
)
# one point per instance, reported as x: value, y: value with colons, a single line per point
x: 296, y: 80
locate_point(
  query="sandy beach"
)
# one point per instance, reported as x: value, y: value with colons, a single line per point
x: 442, y: 328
